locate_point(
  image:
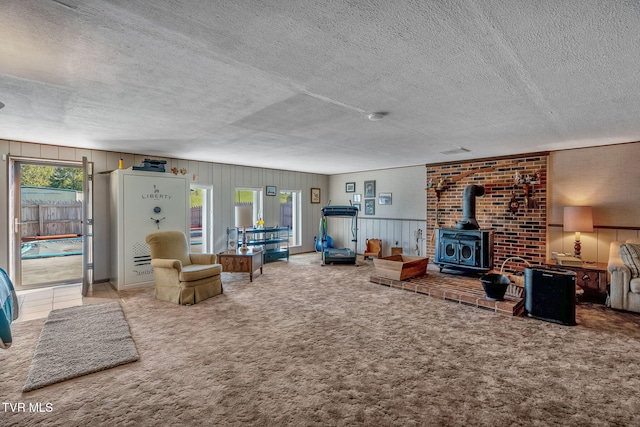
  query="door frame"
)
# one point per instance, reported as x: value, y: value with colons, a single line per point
x: 14, y: 214
x: 207, y: 215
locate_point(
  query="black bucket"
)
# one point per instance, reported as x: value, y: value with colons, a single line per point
x: 495, y: 285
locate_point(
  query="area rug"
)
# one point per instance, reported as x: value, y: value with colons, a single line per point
x: 78, y: 341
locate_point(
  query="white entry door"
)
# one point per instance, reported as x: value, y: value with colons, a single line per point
x: 46, y: 204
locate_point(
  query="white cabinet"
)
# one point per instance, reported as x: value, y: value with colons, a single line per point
x: 143, y: 202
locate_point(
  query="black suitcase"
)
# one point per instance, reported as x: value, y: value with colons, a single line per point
x: 550, y: 295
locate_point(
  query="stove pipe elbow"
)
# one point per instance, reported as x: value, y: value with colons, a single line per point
x: 469, y: 221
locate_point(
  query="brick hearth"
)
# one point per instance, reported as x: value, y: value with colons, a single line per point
x: 458, y: 288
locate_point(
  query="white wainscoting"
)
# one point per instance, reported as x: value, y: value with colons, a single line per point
x: 594, y: 246
x: 403, y: 231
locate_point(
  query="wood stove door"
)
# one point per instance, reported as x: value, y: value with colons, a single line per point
x: 469, y: 252
x: 448, y: 250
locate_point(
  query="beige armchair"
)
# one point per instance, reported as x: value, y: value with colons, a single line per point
x: 624, y: 290
x: 182, y: 278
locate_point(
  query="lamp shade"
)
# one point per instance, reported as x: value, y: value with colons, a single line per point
x: 578, y: 218
x: 244, y: 215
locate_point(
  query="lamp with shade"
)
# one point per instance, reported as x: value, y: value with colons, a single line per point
x: 578, y: 219
x: 244, y: 219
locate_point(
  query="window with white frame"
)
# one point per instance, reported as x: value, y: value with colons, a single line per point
x: 251, y: 196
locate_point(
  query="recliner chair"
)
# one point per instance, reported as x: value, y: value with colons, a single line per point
x: 181, y: 277
x: 624, y: 290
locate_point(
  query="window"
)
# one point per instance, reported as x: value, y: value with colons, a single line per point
x: 290, y: 208
x: 252, y: 196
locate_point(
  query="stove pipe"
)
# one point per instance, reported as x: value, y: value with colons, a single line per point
x: 469, y: 208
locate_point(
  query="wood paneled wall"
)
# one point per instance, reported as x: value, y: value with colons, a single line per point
x: 222, y: 177
x: 605, y: 178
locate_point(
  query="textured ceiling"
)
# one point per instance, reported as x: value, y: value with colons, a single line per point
x: 289, y: 84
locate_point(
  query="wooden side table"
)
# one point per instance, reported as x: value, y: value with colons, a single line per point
x: 242, y: 262
x: 591, y: 277
x: 396, y: 251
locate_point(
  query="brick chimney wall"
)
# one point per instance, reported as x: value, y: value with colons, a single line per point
x: 522, y: 233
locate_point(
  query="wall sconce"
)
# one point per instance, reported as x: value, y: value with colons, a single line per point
x: 578, y: 219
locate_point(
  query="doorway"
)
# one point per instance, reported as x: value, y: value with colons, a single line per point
x: 201, y: 229
x: 48, y: 207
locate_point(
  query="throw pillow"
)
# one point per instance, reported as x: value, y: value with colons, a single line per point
x: 630, y: 254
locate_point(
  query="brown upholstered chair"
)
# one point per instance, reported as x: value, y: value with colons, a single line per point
x: 181, y: 277
x: 374, y: 248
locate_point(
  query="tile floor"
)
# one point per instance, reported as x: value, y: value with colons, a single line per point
x: 37, y: 303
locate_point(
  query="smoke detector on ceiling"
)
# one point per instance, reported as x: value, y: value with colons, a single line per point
x: 374, y: 117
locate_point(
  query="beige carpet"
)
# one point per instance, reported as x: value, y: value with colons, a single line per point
x: 311, y: 345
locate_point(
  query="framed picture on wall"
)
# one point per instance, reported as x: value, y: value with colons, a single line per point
x: 315, y: 195
x: 369, y: 206
x: 350, y: 187
x: 357, y: 198
x: 271, y: 190
x: 384, y: 198
x: 369, y: 189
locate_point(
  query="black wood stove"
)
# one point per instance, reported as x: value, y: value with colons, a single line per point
x: 465, y: 247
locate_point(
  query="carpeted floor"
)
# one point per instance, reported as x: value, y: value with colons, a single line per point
x: 311, y: 345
